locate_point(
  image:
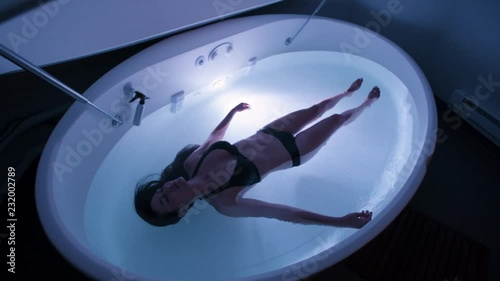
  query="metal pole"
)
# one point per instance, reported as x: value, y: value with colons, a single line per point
x: 289, y: 40
x: 23, y: 63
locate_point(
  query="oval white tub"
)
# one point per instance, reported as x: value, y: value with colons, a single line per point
x: 83, y: 143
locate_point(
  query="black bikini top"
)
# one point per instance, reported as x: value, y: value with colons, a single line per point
x: 245, y: 172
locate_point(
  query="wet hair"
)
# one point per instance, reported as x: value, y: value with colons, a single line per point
x: 146, y: 189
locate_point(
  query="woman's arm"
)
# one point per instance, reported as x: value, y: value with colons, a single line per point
x: 220, y: 130
x: 216, y: 135
x: 245, y: 207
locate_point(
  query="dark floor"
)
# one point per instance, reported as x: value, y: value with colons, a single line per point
x: 461, y: 187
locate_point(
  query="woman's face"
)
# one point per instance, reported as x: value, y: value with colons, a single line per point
x: 172, y: 196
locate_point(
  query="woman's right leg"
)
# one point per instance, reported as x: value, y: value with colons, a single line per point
x: 313, y: 138
x: 295, y: 121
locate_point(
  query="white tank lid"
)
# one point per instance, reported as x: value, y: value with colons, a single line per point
x: 63, y: 30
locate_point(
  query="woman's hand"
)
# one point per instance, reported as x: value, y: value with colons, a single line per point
x: 357, y: 220
x: 240, y: 107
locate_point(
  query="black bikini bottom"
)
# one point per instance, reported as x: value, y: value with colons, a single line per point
x: 288, y: 141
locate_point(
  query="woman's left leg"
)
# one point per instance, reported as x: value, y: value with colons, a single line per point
x: 294, y: 122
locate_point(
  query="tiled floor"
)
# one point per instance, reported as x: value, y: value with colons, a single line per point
x: 461, y: 188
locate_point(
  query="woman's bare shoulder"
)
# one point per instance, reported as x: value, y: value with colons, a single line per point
x: 230, y: 195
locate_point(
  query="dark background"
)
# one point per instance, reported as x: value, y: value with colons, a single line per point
x: 453, y: 42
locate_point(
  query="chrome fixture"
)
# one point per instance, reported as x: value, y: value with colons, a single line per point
x: 289, y: 40
x: 222, y: 49
x: 25, y: 64
x: 200, y: 61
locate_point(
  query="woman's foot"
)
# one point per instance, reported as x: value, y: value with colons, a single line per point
x: 374, y: 93
x: 355, y: 86
x: 331, y: 102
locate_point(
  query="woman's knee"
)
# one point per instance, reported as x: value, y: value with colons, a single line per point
x: 338, y: 119
x: 316, y: 110
x: 344, y: 117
